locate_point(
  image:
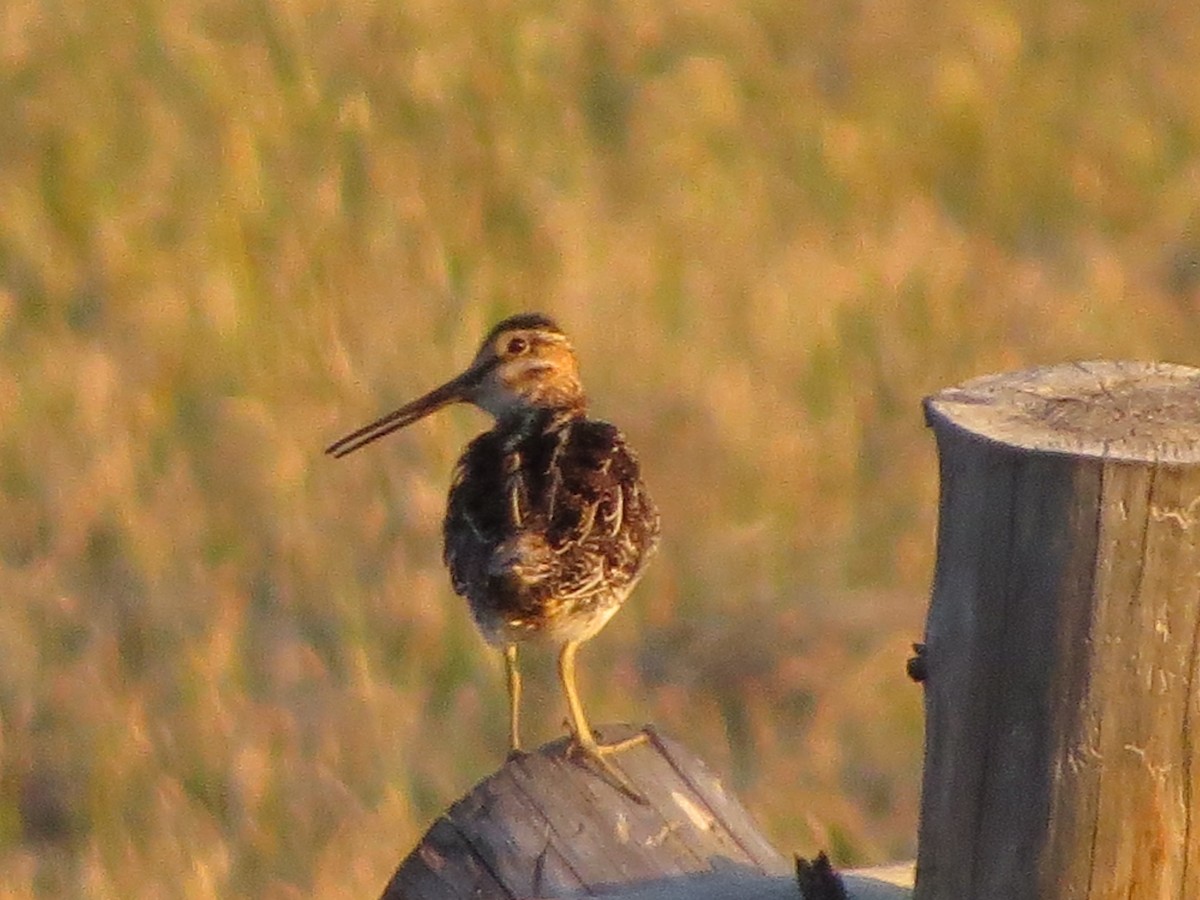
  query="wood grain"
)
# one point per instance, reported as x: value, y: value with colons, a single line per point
x: 1063, y: 637
x: 547, y: 825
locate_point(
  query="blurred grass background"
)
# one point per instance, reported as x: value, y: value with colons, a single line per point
x: 232, y: 231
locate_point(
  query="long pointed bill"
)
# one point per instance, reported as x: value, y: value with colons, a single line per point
x: 454, y: 391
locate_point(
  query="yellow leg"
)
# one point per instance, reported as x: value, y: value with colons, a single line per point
x: 584, y: 740
x: 566, y: 673
x: 514, y: 697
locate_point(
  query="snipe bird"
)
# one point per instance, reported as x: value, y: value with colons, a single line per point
x: 548, y: 525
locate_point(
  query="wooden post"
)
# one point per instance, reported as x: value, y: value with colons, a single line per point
x: 1062, y: 651
x: 545, y: 826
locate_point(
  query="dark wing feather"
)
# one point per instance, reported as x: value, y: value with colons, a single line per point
x: 476, y: 521
x: 604, y: 523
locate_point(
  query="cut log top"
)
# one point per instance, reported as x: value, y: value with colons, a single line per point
x: 546, y: 826
x: 1138, y: 412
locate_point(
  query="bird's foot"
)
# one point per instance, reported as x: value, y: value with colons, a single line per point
x: 591, y: 750
x: 624, y: 744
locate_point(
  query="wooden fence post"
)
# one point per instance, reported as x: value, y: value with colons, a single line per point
x: 547, y: 827
x: 1062, y: 651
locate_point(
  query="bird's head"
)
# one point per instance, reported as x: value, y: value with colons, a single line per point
x: 525, y: 363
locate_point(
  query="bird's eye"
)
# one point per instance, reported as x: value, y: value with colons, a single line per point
x: 517, y: 346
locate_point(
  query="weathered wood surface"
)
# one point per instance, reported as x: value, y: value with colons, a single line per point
x: 1063, y: 638
x: 545, y: 826
x: 887, y: 883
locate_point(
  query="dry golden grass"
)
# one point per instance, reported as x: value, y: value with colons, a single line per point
x: 230, y: 231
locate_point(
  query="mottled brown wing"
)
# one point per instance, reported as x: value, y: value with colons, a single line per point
x: 476, y: 519
x: 601, y: 523
x: 575, y: 486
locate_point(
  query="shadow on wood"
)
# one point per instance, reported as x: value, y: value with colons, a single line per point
x: 548, y: 826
